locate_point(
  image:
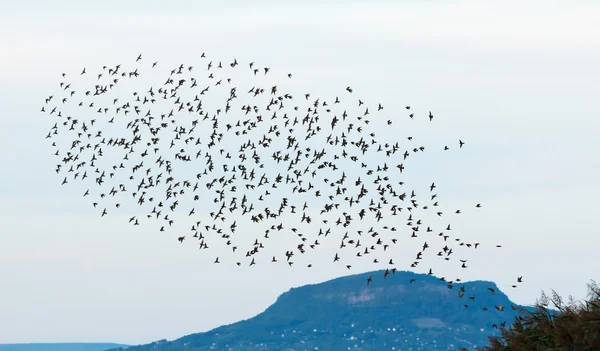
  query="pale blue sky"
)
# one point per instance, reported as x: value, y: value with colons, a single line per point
x: 517, y: 80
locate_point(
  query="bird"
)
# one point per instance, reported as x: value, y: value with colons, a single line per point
x: 266, y: 157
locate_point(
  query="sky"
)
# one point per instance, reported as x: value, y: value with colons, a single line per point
x: 517, y: 80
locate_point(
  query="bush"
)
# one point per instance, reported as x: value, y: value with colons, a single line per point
x: 574, y: 326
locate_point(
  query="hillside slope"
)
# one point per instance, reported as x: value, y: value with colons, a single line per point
x: 346, y: 312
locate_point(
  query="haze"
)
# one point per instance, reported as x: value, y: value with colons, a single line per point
x: 517, y: 80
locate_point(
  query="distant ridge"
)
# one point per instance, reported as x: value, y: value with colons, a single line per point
x: 61, y: 347
x: 345, y: 312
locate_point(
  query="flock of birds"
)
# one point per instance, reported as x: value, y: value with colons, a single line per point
x: 272, y: 158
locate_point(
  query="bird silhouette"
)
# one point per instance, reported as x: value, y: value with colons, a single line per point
x: 194, y: 149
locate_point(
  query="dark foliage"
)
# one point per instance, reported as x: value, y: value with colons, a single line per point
x: 574, y: 327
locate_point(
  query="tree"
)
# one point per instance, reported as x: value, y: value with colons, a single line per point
x: 573, y: 326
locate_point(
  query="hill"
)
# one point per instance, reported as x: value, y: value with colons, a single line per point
x: 61, y: 347
x: 344, y: 313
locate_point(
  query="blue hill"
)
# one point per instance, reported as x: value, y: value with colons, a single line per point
x: 61, y: 347
x: 347, y: 313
